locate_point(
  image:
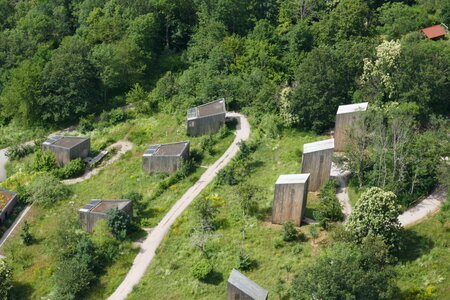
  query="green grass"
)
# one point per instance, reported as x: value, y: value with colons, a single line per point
x: 169, y: 277
x: 426, y: 258
x: 14, y: 134
x: 33, y: 265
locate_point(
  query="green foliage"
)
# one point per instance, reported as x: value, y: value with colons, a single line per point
x: 314, y: 232
x: 6, y: 278
x: 44, y: 161
x: 249, y: 197
x: 106, y: 245
x: 346, y: 271
x: 25, y: 235
x: 138, y: 97
x: 113, y: 117
x: 329, y: 209
x: 376, y: 214
x: 245, y: 261
x: 201, y: 269
x: 118, y: 223
x: 45, y: 190
x: 19, y: 151
x: 72, y: 169
x: 289, y: 232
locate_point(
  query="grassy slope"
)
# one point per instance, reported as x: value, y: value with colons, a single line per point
x: 426, y: 260
x: 33, y: 264
x: 169, y: 275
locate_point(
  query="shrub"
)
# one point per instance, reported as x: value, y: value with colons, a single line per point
x: 72, y: 169
x: 245, y: 262
x: 25, y: 235
x: 207, y: 144
x: 290, y: 233
x: 19, y: 151
x: 118, y: 223
x: 329, y: 209
x: 46, y: 189
x: 86, y: 125
x: 114, y: 117
x: 201, y: 269
x: 6, y: 277
x: 44, y: 161
x: 105, y: 244
x: 278, y: 242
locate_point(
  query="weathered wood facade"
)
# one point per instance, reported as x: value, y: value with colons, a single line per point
x: 97, y: 209
x: 242, y: 288
x: 316, y: 161
x: 8, y: 200
x: 346, y: 116
x: 67, y: 148
x: 206, y: 118
x: 290, y: 196
x: 165, y: 157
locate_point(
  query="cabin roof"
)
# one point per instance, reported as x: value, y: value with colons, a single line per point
x: 292, y: 178
x: 319, y: 146
x: 349, y: 108
x: 433, y: 31
x: 247, y: 286
x: 102, y: 206
x: 169, y: 149
x: 208, y: 109
x: 65, y: 141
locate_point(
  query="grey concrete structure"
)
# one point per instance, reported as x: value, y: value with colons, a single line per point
x: 242, y: 288
x: 8, y: 200
x: 67, y: 148
x: 206, y: 118
x: 290, y: 196
x: 316, y: 161
x: 165, y: 157
x: 97, y: 209
x: 346, y: 116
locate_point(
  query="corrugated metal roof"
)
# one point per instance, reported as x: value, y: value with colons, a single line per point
x: 349, y: 108
x: 319, y: 146
x: 292, y: 178
x: 247, y: 286
x: 433, y: 31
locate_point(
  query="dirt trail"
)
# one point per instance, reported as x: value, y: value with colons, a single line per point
x: 154, y: 239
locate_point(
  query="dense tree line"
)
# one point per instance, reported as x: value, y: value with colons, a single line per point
x: 62, y: 60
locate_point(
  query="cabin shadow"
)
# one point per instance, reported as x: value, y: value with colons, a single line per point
x: 21, y: 291
x: 214, y: 278
x: 413, y: 246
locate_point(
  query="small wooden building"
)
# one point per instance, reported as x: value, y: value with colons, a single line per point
x: 165, y: 157
x: 206, y: 118
x: 242, y: 288
x: 97, y: 209
x: 67, y: 148
x: 435, y: 32
x: 289, y: 202
x: 346, y: 116
x: 8, y: 200
x: 316, y: 161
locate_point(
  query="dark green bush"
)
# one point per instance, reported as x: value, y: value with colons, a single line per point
x: 113, y: 117
x: 19, y: 151
x: 72, y: 169
x: 118, y: 222
x: 25, y: 235
x: 201, y: 269
x: 290, y: 233
x: 329, y: 209
x: 245, y: 262
x: 46, y: 189
x: 44, y: 161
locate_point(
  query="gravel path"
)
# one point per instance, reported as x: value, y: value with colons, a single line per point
x: 424, y: 208
x: 154, y: 239
x: 3, y: 161
x: 342, y: 178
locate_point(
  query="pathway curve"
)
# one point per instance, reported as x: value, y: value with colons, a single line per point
x: 154, y: 239
x: 123, y: 147
x: 424, y: 208
x: 342, y: 177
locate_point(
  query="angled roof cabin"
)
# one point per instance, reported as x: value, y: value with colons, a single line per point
x: 165, y: 157
x: 242, y: 288
x: 435, y: 32
x: 206, y: 118
x: 67, y: 148
x: 316, y: 160
x: 97, y: 209
x: 8, y: 200
x: 290, y: 196
x: 346, y: 117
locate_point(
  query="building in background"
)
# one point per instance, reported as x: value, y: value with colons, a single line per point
x: 165, y: 157
x: 206, y: 118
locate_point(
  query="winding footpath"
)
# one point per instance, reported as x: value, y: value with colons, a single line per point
x: 154, y: 239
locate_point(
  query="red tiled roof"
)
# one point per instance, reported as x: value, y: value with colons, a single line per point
x: 433, y: 31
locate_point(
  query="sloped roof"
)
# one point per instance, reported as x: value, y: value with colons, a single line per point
x: 247, y: 286
x: 319, y: 146
x: 102, y: 206
x: 349, y: 108
x: 169, y: 149
x: 292, y: 178
x: 208, y: 109
x: 65, y: 141
x: 433, y: 31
